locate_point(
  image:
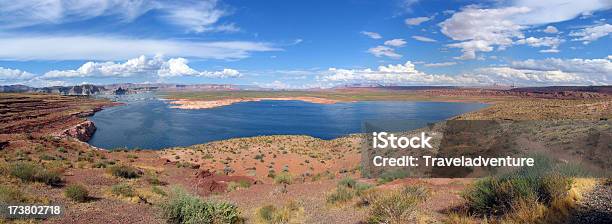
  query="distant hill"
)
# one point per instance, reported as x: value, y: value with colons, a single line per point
x: 83, y: 90
x: 123, y: 88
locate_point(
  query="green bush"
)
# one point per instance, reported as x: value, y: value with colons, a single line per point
x: 123, y: 189
x: 396, y: 206
x: 10, y: 194
x: 30, y: 172
x: 186, y: 208
x: 158, y: 190
x: 341, y: 194
x: 125, y: 171
x: 498, y: 195
x: 283, y: 178
x: 77, y: 193
x: 391, y: 175
x: 347, y: 182
x: 234, y: 185
x: 346, y: 190
x: 289, y: 213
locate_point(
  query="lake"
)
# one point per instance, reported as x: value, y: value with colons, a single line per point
x: 149, y: 123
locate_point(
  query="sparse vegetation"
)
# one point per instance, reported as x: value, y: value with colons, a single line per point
x: 77, y: 193
x: 283, y: 178
x: 186, y: 208
x: 31, y: 172
x: 125, y: 171
x: 391, y: 175
x: 397, y: 206
x: 347, y: 189
x: 234, y: 185
x: 290, y: 213
x: 10, y: 194
x: 123, y: 189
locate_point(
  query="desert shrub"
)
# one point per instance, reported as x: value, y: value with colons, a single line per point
x: 47, y: 157
x: 396, y: 206
x: 152, y: 178
x: 234, y: 185
x: 346, y: 190
x: 10, y: 194
x: 498, y: 195
x: 62, y: 150
x: 123, y: 189
x: 283, y: 178
x: 158, y: 190
x: 290, y: 213
x: 391, y: 175
x: 125, y: 171
x: 34, y: 173
x: 340, y: 194
x: 186, y: 208
x: 77, y: 193
x: 271, y: 173
x: 347, y: 182
x: 100, y: 164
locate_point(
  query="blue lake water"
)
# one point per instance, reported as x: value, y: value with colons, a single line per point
x: 151, y: 124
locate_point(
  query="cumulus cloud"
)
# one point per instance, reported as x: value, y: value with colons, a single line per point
x: 416, y: 21
x: 372, y: 35
x: 441, y: 64
x: 481, y: 30
x: 120, y: 48
x: 422, y: 38
x: 550, y: 71
x: 380, y: 51
x: 592, y: 33
x: 197, y: 16
x: 141, y: 66
x: 396, y: 42
x: 551, y: 42
x: 393, y: 74
x: 9, y: 75
x: 550, y: 29
x: 553, y: 11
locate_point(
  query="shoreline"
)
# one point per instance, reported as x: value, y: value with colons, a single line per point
x: 188, y: 104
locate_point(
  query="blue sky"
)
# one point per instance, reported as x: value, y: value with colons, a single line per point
x: 306, y: 44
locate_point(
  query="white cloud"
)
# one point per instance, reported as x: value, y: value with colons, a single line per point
x: 551, y: 42
x: 525, y: 73
x: 392, y: 74
x: 550, y: 29
x: 372, y: 35
x: 592, y: 33
x: 507, y: 75
x: 422, y: 38
x: 7, y: 75
x: 141, y: 66
x: 552, y: 71
x: 480, y: 30
x: 395, y: 42
x: 197, y: 16
x: 551, y: 50
x: 553, y: 11
x: 380, y: 51
x: 120, y: 48
x: 441, y: 64
x: 416, y: 21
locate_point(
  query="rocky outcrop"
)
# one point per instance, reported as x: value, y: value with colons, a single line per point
x: 82, y: 131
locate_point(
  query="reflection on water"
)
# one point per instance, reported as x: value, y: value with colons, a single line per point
x: 147, y: 122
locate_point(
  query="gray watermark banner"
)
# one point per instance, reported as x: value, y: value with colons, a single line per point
x: 469, y: 149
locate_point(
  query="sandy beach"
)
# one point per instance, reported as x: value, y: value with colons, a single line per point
x: 206, y: 104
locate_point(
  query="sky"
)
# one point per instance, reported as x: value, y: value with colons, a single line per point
x: 306, y: 44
